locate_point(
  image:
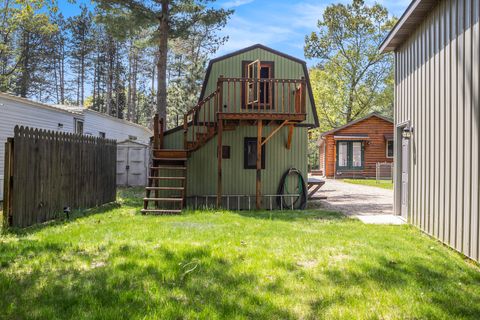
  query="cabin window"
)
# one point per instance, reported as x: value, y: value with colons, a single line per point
x: 78, y: 126
x: 225, y: 152
x: 350, y: 155
x: 101, y: 134
x: 389, y: 148
x: 258, y: 94
x: 250, y: 153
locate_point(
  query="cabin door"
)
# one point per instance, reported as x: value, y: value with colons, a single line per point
x: 259, y: 91
x: 405, y: 165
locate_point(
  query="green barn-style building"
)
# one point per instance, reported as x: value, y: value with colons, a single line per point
x: 215, y: 158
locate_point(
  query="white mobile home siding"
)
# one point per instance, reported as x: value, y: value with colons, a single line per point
x: 23, y: 112
x: 114, y: 128
x: 20, y: 112
x: 437, y: 90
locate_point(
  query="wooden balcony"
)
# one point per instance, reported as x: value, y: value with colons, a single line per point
x: 261, y: 99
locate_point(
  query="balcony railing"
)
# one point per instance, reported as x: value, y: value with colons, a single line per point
x: 247, y: 98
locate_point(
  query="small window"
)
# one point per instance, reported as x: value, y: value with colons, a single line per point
x: 250, y: 154
x: 390, y: 149
x: 343, y: 154
x: 101, y: 134
x: 78, y: 126
x: 132, y: 137
x: 225, y: 152
x: 357, y: 154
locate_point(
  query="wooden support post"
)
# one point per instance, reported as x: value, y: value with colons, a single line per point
x: 220, y: 95
x: 258, y: 201
x: 8, y: 184
x: 160, y: 137
x: 274, y: 131
x: 290, y: 135
x: 219, y: 159
x: 156, y: 141
x: 303, y: 98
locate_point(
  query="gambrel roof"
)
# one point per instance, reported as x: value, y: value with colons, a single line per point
x: 273, y: 51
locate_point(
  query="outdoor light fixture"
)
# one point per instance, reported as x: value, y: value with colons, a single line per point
x: 60, y: 126
x: 407, y: 132
x: 66, y: 210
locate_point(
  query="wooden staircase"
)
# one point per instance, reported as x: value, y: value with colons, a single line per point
x: 219, y: 112
x: 167, y: 180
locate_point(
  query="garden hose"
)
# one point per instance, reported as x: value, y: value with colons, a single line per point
x: 282, y: 188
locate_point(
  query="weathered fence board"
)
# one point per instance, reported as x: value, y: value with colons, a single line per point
x: 47, y: 171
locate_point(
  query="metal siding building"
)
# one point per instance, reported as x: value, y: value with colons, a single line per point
x: 236, y: 180
x: 436, y: 45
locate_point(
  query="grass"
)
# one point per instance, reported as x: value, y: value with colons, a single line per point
x: 113, y: 263
x: 384, y: 184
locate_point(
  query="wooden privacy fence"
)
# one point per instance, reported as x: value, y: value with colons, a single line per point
x: 46, y: 171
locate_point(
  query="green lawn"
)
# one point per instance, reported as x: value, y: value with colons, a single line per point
x: 385, y: 184
x: 114, y: 263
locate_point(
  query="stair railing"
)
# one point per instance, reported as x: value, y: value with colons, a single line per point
x: 199, y: 123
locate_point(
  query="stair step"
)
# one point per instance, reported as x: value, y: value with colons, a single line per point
x: 163, y: 199
x: 161, y: 211
x: 167, y: 178
x: 169, y: 168
x: 165, y: 188
x: 169, y: 159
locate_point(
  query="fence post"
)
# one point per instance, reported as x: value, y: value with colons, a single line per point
x: 7, y: 183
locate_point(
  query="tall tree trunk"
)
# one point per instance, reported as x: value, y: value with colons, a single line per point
x: 162, y: 62
x: 134, y: 87
x: 108, y: 102
x: 95, y: 71
x: 129, y: 89
x: 82, y: 79
x: 117, y: 83
x: 25, y: 75
x: 62, y: 74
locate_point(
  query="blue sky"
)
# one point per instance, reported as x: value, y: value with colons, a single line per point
x: 279, y: 24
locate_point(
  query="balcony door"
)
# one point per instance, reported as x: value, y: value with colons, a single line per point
x: 258, y: 93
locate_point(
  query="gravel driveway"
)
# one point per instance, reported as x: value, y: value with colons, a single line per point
x: 354, y: 199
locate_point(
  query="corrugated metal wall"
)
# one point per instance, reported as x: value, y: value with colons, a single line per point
x: 232, y: 67
x: 437, y: 88
x: 202, y: 165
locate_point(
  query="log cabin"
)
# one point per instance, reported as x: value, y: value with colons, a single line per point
x: 353, y: 150
x: 249, y: 128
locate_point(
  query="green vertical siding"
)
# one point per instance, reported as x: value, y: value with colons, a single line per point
x: 232, y: 67
x: 202, y: 165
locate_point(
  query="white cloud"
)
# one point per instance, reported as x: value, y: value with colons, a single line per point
x: 236, y: 3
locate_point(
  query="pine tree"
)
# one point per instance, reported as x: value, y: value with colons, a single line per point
x: 81, y: 47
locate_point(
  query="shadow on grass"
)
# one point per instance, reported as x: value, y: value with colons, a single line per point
x: 295, y: 215
x: 74, y: 215
x: 135, y: 283
x: 450, y: 293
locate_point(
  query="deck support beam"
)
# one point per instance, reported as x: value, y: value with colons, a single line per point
x: 274, y: 131
x: 290, y: 135
x: 219, y: 159
x: 258, y: 194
